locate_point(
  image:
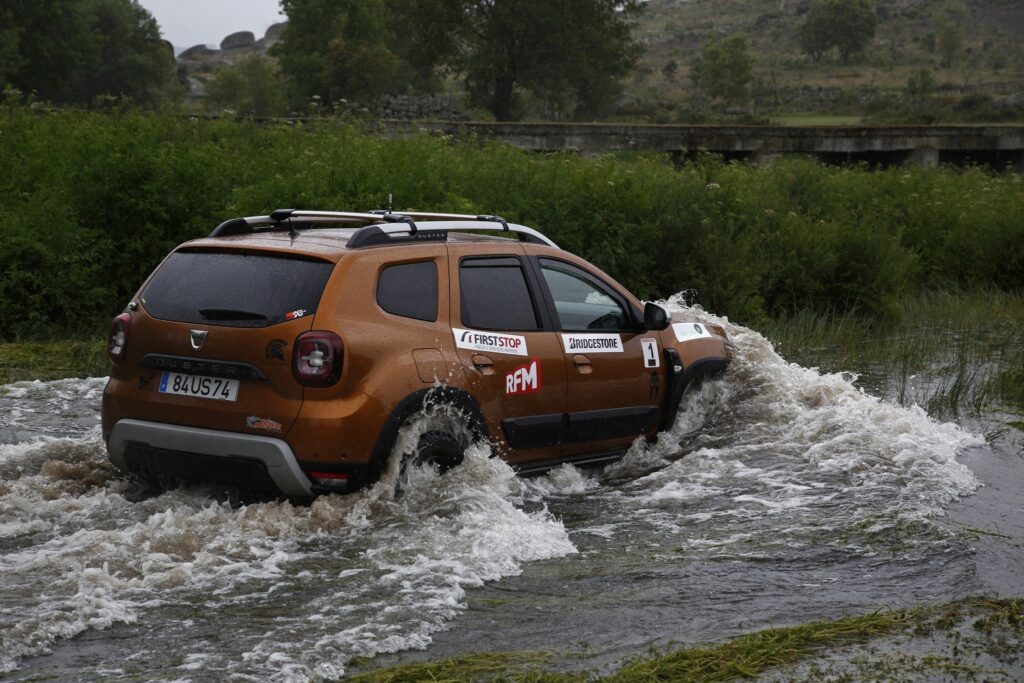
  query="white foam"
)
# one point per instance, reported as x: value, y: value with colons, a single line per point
x: 106, y: 560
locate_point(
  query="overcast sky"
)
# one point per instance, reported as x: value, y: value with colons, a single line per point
x: 190, y: 22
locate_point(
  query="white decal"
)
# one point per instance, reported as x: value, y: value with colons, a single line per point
x: 690, y: 331
x: 592, y: 343
x: 491, y: 342
x: 651, y: 357
x: 523, y: 380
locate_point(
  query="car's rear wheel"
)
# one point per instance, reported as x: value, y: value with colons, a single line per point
x: 440, y: 448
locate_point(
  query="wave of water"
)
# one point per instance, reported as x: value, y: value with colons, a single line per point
x: 780, y: 462
x: 346, y: 576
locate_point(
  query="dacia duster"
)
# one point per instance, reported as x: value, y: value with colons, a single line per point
x: 285, y: 352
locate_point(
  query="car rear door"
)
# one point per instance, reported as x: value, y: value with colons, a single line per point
x: 513, y: 359
x: 615, y: 373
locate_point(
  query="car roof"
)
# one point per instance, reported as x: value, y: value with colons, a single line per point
x: 328, y: 244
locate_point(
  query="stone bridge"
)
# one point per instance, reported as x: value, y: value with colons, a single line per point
x: 999, y: 146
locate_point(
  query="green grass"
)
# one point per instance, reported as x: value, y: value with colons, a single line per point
x: 950, y: 352
x: 93, y: 201
x: 741, y: 658
x: 52, y: 360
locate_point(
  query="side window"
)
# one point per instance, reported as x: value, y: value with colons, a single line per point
x: 581, y: 302
x: 495, y: 295
x: 409, y: 290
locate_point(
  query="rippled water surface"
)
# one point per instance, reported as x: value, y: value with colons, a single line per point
x: 782, y: 495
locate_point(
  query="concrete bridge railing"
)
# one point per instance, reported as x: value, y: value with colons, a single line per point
x: 996, y: 145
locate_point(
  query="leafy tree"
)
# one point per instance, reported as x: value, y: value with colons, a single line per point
x: 571, y: 53
x: 725, y: 69
x: 253, y: 86
x: 10, y: 58
x: 948, y: 24
x: 846, y: 25
x: 360, y: 49
x: 920, y: 86
x: 72, y: 51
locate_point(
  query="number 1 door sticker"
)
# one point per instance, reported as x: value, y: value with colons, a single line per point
x: 651, y: 357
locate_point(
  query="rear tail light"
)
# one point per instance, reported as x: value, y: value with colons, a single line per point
x: 317, y: 359
x: 118, y: 341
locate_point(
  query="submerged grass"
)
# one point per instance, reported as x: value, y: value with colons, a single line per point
x: 749, y: 655
x: 744, y: 657
x: 949, y: 352
x: 46, y: 361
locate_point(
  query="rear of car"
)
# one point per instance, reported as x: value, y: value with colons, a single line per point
x: 211, y: 360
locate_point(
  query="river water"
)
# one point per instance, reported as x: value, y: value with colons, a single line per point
x: 782, y: 495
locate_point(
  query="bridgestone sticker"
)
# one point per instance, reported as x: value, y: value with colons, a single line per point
x: 689, y: 331
x: 490, y: 342
x: 592, y: 343
x: 652, y: 359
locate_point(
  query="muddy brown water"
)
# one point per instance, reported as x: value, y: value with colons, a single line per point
x: 783, y: 495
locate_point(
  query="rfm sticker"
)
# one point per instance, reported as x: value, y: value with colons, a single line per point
x: 651, y: 359
x: 523, y: 380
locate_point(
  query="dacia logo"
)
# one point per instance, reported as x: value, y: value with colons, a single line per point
x: 198, y: 338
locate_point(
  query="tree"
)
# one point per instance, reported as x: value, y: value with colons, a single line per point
x: 948, y: 24
x: 725, y: 69
x: 254, y: 87
x: 920, y: 86
x: 72, y: 51
x: 361, y: 49
x: 571, y: 53
x: 847, y: 25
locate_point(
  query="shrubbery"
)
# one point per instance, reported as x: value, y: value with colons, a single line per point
x: 91, y: 203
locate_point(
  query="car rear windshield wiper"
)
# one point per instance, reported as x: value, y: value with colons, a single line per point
x: 229, y: 314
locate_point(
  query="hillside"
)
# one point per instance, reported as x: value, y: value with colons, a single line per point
x: 672, y: 32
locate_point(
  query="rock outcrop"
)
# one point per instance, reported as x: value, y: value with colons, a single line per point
x: 238, y: 40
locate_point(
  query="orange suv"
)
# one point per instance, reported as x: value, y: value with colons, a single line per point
x: 285, y: 352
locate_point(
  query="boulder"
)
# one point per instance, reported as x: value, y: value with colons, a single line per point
x: 238, y: 40
x: 197, y: 52
x: 274, y: 32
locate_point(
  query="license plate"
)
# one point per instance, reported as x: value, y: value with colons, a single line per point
x: 199, y: 386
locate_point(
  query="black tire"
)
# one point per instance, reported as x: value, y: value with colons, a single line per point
x: 436, y: 448
x: 439, y: 448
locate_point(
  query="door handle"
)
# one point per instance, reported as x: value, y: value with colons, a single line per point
x: 582, y: 364
x: 484, y: 364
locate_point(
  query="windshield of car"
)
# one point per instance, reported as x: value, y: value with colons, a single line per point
x: 235, y: 288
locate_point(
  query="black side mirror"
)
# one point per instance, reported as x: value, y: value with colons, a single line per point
x: 656, y: 317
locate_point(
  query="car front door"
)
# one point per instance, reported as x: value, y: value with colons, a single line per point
x: 615, y: 369
x: 504, y: 338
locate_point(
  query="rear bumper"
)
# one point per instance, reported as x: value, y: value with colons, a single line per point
x: 131, y: 439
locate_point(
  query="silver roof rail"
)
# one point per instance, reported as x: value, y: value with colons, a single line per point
x: 408, y: 231
x: 383, y: 227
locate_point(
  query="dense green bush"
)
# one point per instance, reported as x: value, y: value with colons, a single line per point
x: 91, y: 202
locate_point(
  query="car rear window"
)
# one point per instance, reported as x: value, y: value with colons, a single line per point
x: 236, y: 289
x: 495, y: 295
x: 409, y: 290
